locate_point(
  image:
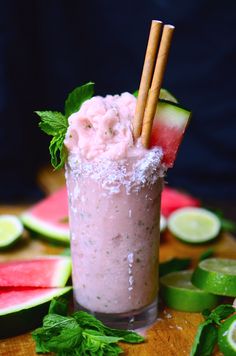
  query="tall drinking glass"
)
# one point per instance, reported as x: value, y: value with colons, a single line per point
x: 114, y: 213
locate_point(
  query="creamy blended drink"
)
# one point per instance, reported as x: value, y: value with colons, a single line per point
x: 114, y: 188
x: 116, y: 151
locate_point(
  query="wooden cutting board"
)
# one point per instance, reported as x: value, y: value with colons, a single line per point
x: 172, y: 334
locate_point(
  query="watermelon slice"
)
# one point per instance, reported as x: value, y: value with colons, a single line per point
x: 49, y: 217
x: 173, y: 199
x: 45, y: 271
x: 168, y: 129
x: 22, y: 309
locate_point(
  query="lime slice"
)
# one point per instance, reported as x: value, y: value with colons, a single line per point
x: 163, y: 223
x: 179, y: 293
x: 11, y: 229
x: 227, y: 336
x: 194, y: 225
x: 217, y: 276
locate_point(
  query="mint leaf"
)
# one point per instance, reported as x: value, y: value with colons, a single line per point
x: 208, y: 253
x: 205, y: 339
x: 57, y: 322
x: 128, y: 336
x: 58, y: 333
x: 76, y: 98
x: 220, y: 313
x: 174, y: 265
x: 96, y: 336
x: 57, y: 151
x: 86, y: 320
x: 135, y: 93
x: 52, y: 122
x: 99, y: 344
x: 58, y: 306
x: 55, y: 123
x: 206, y: 313
x: 78, y: 334
x: 228, y: 225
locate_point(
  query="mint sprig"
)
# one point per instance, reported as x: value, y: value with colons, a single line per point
x: 78, y: 334
x: 55, y: 123
x: 76, y: 98
x: 207, y: 333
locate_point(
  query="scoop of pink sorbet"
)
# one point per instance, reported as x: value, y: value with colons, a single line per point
x: 103, y: 128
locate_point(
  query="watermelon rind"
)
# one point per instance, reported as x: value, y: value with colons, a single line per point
x: 46, y: 230
x: 59, y: 274
x: 167, y: 95
x: 62, y: 272
x: 164, y: 95
x: 173, y: 113
x: 26, y: 316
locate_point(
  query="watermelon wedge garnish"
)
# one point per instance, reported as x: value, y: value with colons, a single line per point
x: 45, y: 271
x: 22, y: 309
x: 173, y: 199
x: 14, y: 299
x: 169, y: 126
x: 49, y: 217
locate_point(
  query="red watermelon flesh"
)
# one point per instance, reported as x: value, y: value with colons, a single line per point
x: 45, y: 271
x: 49, y: 217
x: 168, y: 129
x: 173, y: 199
x: 168, y: 138
x: 13, y: 299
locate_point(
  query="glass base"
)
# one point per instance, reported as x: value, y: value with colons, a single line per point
x: 131, y: 320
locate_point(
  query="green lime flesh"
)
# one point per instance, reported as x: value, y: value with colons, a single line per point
x: 11, y: 230
x: 227, y: 336
x: 179, y: 293
x: 194, y: 225
x: 217, y: 276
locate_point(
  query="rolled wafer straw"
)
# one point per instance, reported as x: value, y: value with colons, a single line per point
x: 157, y: 80
x: 148, y: 67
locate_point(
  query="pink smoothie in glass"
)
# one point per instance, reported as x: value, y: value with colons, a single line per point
x: 114, y: 188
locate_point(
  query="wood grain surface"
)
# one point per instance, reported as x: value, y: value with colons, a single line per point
x: 172, y: 334
x: 174, y: 331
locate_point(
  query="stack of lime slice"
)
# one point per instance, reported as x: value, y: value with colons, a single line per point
x: 202, y: 288
x: 216, y: 275
x: 213, y: 277
x: 179, y: 293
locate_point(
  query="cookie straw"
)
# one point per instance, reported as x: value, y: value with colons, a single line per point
x: 148, y: 67
x: 157, y: 79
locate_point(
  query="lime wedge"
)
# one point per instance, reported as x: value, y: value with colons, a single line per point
x: 166, y: 95
x: 194, y: 225
x: 227, y: 336
x: 179, y: 293
x: 217, y: 276
x: 11, y: 229
x: 163, y: 223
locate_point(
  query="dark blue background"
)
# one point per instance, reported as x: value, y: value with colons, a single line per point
x: 49, y: 47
